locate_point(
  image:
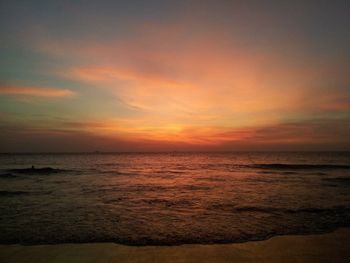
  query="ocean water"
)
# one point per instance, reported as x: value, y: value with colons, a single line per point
x: 171, y: 198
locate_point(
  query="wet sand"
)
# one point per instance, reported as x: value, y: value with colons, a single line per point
x: 331, y: 247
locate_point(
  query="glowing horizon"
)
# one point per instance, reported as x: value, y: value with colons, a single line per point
x: 173, y: 75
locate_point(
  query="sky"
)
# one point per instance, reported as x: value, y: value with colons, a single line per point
x: 174, y: 75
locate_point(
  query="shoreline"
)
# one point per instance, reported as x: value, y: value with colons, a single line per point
x: 327, y: 247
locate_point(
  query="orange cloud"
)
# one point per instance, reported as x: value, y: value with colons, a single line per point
x: 207, y: 88
x: 112, y: 135
x: 35, y: 91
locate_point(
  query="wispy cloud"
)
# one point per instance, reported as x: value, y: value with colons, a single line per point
x: 14, y: 90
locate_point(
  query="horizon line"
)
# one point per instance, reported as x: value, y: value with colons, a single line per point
x: 177, y: 151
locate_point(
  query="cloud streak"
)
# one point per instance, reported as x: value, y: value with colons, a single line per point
x: 33, y: 91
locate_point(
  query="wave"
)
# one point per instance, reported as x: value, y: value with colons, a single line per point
x: 266, y: 209
x: 281, y: 166
x: 13, y: 193
x: 8, y: 176
x: 168, y: 203
x: 288, y: 210
x: 17, y: 193
x: 45, y: 170
x: 341, y: 180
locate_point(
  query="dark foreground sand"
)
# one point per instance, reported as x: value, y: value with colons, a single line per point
x: 332, y: 247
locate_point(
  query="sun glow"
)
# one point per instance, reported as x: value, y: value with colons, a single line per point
x: 213, y: 83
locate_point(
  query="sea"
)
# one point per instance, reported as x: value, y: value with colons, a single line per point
x: 171, y: 198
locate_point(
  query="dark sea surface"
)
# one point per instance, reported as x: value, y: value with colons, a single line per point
x: 171, y: 198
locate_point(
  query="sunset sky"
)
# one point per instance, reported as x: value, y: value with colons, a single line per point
x: 174, y: 75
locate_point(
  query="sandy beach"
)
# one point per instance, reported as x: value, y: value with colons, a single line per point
x: 330, y: 247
